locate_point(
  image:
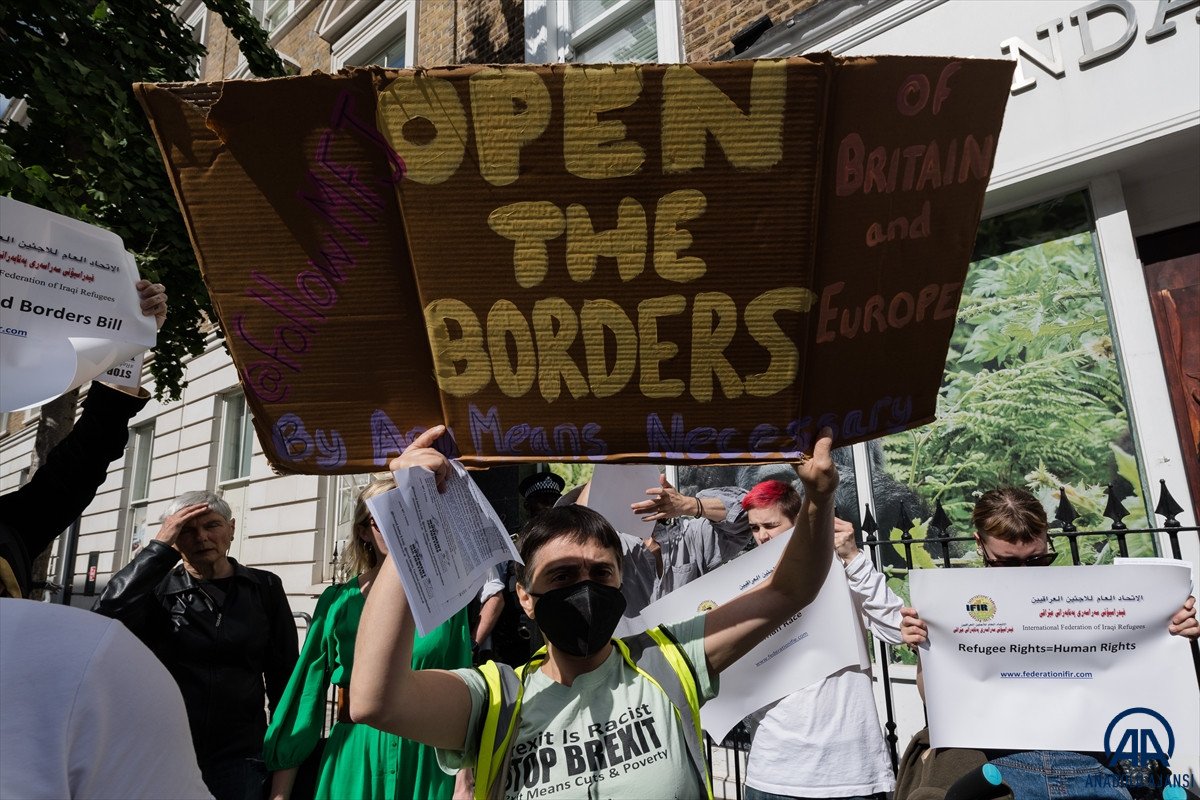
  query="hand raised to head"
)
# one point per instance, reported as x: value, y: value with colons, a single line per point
x: 174, y: 524
x: 421, y: 454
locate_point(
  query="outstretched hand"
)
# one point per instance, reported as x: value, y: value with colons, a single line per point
x: 817, y: 472
x: 666, y: 502
x: 421, y: 454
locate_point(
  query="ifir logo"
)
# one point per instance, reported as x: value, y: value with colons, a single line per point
x: 981, y: 608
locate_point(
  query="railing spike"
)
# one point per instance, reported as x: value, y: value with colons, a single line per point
x: 1066, y: 513
x: 1114, y: 510
x: 1167, y: 507
x: 904, y: 524
x: 941, y: 521
x: 869, y: 524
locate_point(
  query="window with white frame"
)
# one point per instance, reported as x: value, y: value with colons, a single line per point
x: 385, y: 37
x: 235, y: 450
x: 197, y: 24
x: 271, y: 14
x: 137, y: 477
x: 237, y: 439
x: 339, y: 521
x: 602, y: 31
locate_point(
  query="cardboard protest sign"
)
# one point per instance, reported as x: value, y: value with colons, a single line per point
x: 573, y: 262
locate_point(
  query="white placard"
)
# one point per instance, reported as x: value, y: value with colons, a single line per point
x: 615, y: 487
x: 68, y: 308
x: 1048, y: 658
x: 818, y: 641
x: 444, y: 545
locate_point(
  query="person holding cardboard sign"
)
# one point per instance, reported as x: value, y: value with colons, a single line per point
x: 590, y: 713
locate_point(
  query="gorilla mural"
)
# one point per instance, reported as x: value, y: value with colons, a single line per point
x: 890, y: 495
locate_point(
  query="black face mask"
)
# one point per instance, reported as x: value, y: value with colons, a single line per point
x: 579, y: 619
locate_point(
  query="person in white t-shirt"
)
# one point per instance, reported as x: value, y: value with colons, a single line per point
x: 592, y: 722
x: 823, y: 741
x: 88, y: 712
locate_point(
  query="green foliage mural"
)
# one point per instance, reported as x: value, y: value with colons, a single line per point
x: 573, y: 474
x: 1031, y: 395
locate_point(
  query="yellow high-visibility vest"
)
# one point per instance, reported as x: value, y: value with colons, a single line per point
x: 654, y: 655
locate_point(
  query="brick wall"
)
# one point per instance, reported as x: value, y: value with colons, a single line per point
x: 300, y: 45
x: 436, y: 27
x: 303, y: 47
x: 486, y: 31
x: 708, y: 25
x: 493, y: 31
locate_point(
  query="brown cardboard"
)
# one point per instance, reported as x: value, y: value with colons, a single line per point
x: 373, y: 241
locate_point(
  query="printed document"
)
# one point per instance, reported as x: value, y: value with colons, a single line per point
x: 819, y: 640
x: 68, y: 308
x: 443, y: 544
x: 1052, y: 658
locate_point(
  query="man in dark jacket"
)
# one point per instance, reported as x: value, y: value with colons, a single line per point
x: 222, y: 630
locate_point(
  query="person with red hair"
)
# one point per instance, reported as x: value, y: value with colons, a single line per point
x: 795, y: 751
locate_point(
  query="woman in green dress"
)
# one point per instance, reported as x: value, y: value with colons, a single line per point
x: 358, y: 761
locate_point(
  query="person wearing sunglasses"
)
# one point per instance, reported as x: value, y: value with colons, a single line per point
x: 1011, y: 530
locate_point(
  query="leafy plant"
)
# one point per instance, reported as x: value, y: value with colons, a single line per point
x: 85, y: 148
x: 573, y: 474
x: 1032, y: 393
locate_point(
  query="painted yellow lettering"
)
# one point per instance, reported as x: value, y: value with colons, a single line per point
x: 595, y: 318
x: 670, y: 239
x: 709, y: 341
x: 626, y: 242
x: 595, y: 148
x: 529, y: 224
x: 505, y: 321
x: 448, y: 350
x: 510, y: 108
x: 766, y: 330
x: 425, y: 124
x: 653, y: 350
x: 555, y: 327
x: 693, y: 107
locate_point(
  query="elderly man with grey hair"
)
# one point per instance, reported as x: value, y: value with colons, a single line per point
x: 224, y: 631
